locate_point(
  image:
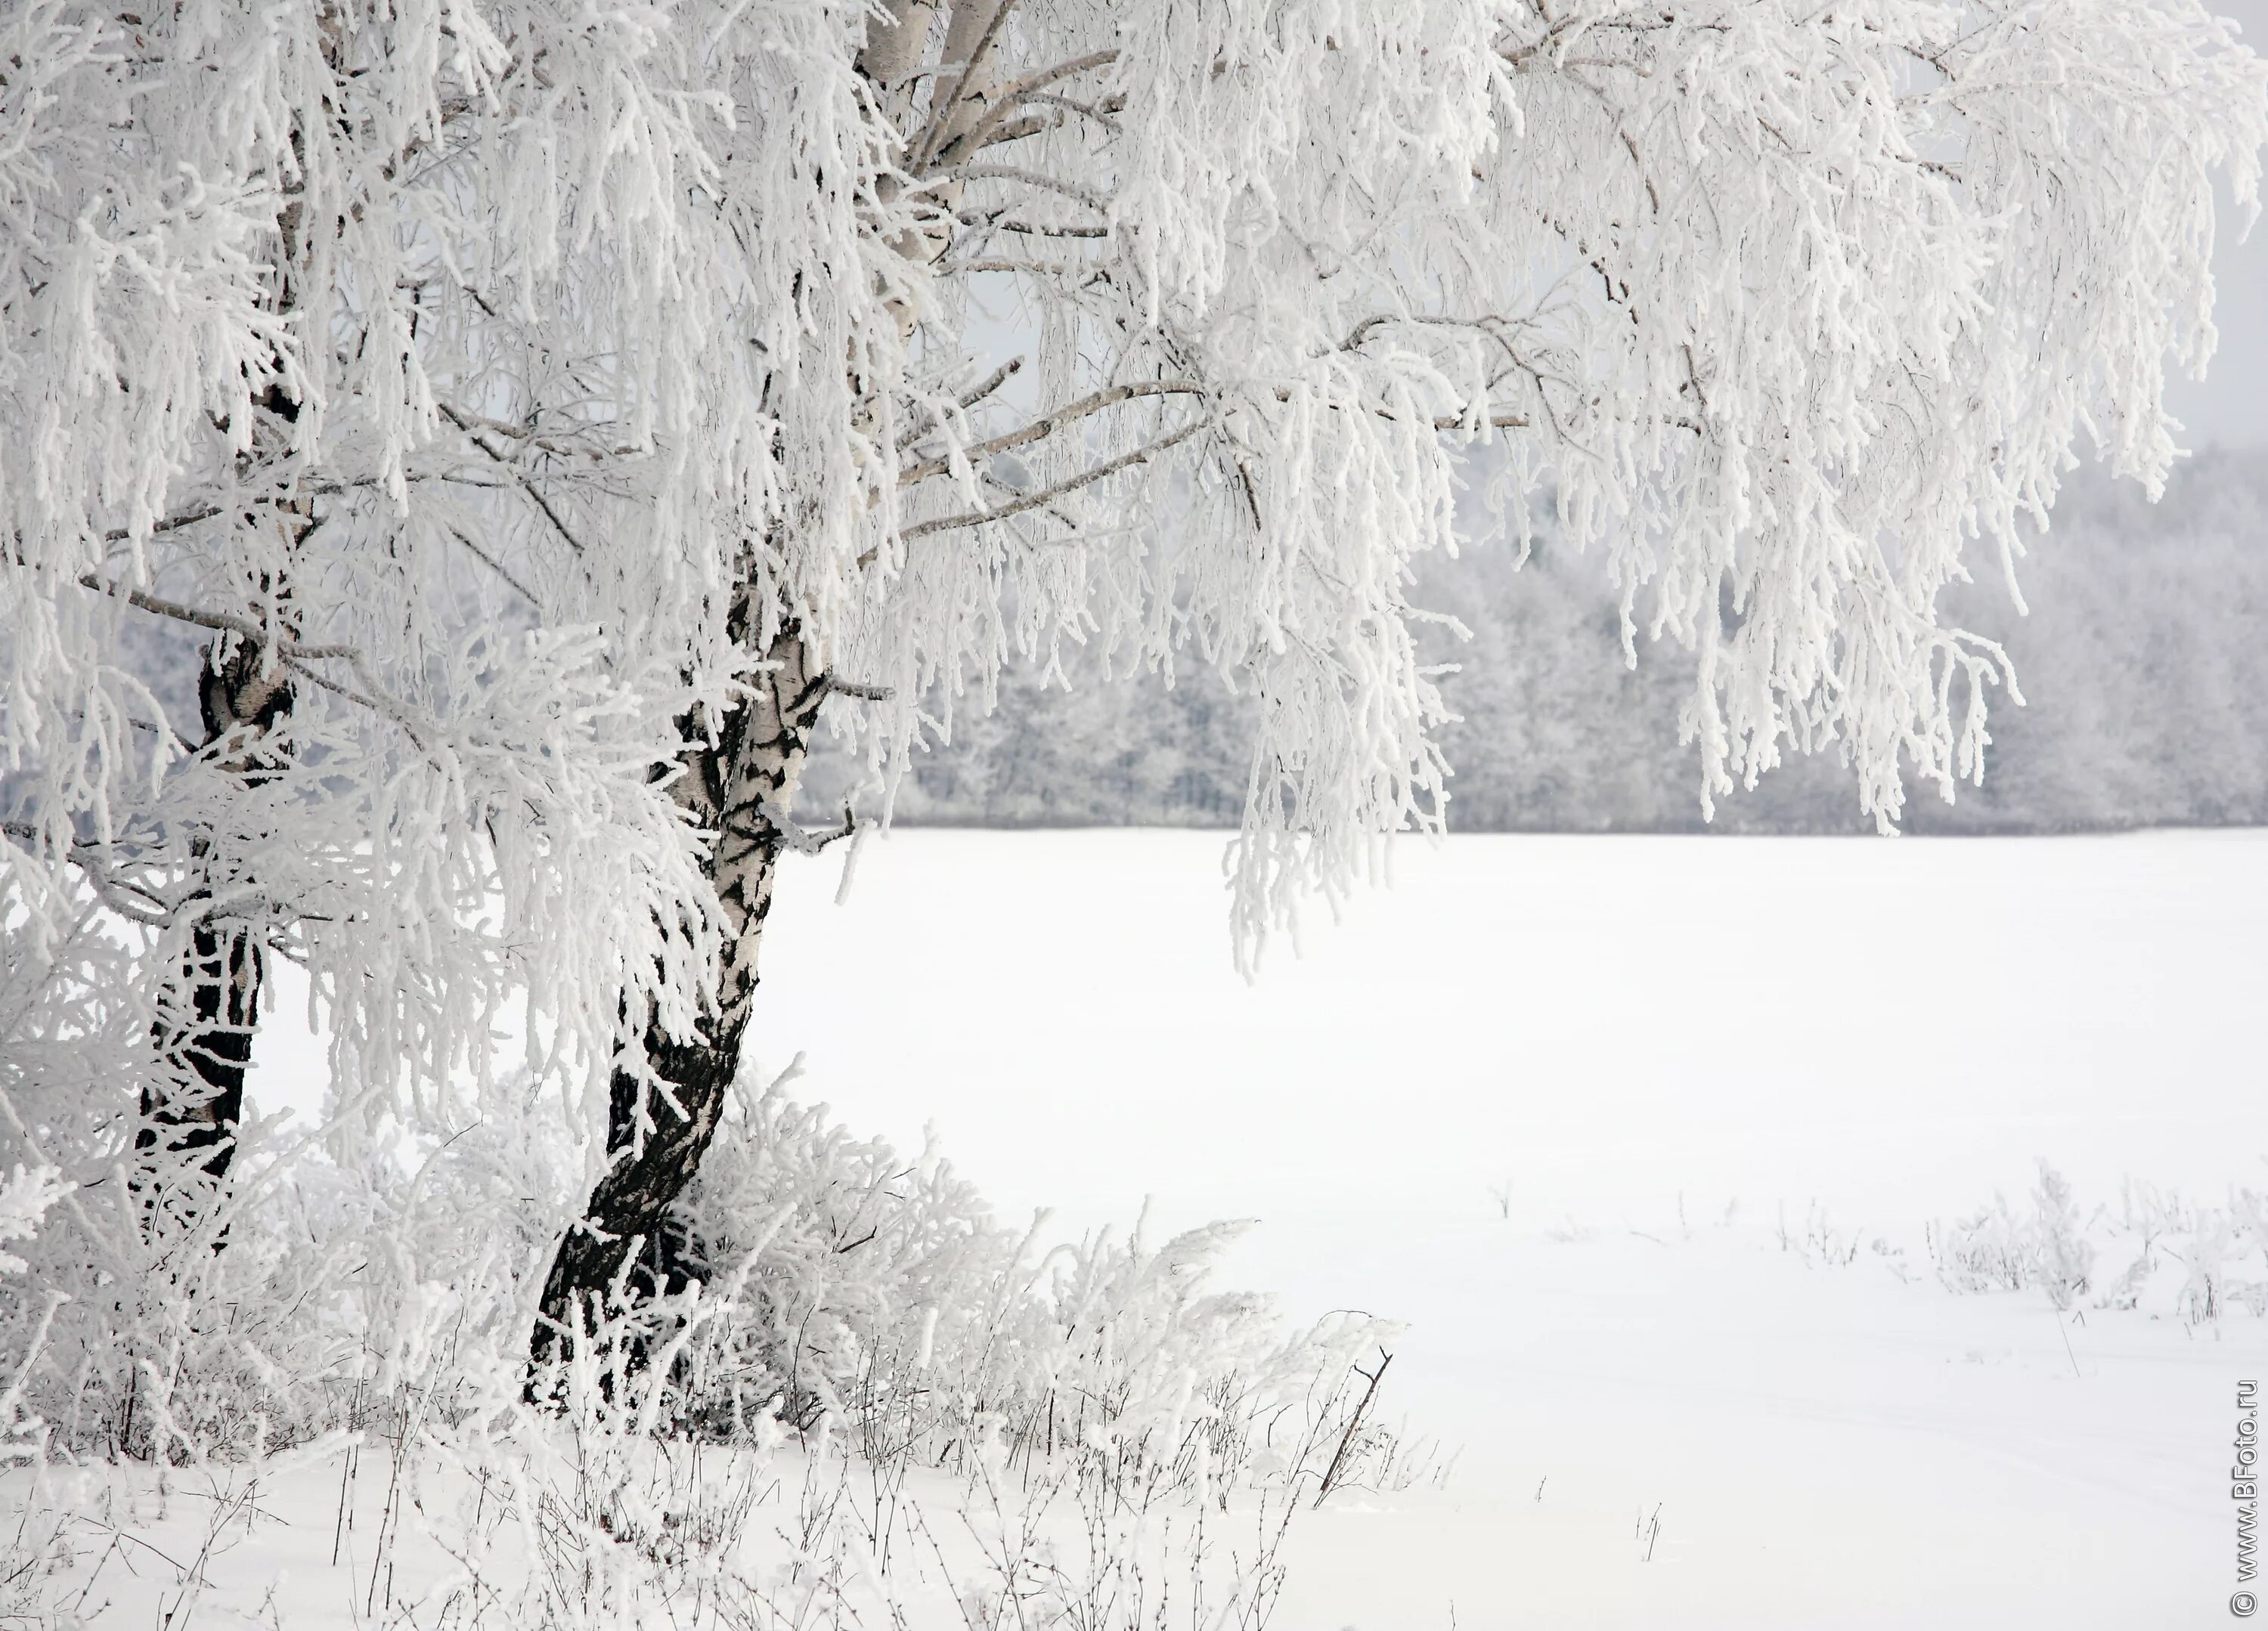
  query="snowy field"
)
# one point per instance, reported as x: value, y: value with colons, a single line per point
x: 1647, y: 1141
x: 1655, y: 1145
x: 1856, y: 1038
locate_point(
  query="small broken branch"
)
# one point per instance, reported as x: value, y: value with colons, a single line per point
x: 800, y: 839
x: 1354, y: 1424
x: 860, y: 689
x: 991, y: 382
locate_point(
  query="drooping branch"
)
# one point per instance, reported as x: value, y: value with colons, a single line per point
x: 1047, y: 425
x: 1036, y: 178
x: 1046, y: 495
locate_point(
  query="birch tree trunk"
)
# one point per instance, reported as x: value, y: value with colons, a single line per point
x: 737, y: 787
x: 205, y: 1025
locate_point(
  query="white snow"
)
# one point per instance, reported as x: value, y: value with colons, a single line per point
x: 1824, y: 1446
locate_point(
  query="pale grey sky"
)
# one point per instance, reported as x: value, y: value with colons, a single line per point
x: 2231, y: 407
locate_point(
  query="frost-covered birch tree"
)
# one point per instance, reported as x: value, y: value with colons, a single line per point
x: 544, y: 415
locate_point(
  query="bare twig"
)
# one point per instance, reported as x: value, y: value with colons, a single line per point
x: 516, y: 474
x: 1354, y: 1423
x: 493, y: 565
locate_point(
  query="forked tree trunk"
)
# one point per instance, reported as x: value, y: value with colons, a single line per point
x: 738, y: 789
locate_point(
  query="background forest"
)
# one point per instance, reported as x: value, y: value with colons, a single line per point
x: 2145, y: 688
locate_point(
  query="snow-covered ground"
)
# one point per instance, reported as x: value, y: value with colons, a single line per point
x: 1891, y: 1030
x: 1602, y: 1120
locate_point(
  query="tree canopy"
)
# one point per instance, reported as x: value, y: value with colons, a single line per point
x: 429, y: 423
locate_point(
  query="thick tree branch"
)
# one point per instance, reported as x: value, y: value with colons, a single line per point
x: 1032, y: 229
x: 860, y: 689
x: 938, y: 138
x: 1023, y: 90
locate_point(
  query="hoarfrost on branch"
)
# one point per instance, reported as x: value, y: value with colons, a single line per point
x: 481, y: 391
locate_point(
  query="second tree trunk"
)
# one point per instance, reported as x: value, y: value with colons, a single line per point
x: 738, y: 788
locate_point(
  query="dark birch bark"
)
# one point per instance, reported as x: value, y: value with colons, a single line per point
x: 735, y: 787
x: 204, y: 1032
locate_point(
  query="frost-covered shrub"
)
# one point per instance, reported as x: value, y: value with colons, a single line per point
x: 1999, y: 1249
x: 847, y: 1286
x: 2197, y: 1262
x: 870, y: 1339
x: 879, y: 1294
x: 2189, y: 1262
x: 2066, y: 1260
x: 573, y: 1513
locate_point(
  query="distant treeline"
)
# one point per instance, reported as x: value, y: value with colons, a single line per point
x: 2144, y: 662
